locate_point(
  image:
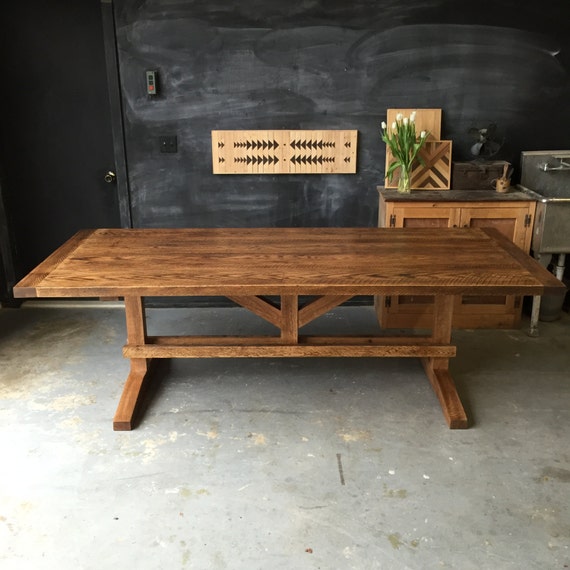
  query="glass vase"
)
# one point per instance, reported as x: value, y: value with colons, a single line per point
x: 405, y: 180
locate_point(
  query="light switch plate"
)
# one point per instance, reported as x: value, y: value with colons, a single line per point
x: 168, y: 144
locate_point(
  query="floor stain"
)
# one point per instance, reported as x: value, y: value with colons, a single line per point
x: 75, y: 421
x: 213, y: 433
x: 185, y: 557
x: 257, y: 438
x: 395, y: 540
x: 355, y: 435
x: 561, y: 475
x: 151, y: 448
x: 187, y: 493
x: 394, y: 493
x: 63, y: 403
x: 90, y: 442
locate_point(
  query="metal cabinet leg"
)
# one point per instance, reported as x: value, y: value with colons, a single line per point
x: 533, y: 330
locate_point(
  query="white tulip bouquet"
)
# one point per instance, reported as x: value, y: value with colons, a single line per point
x: 404, y: 145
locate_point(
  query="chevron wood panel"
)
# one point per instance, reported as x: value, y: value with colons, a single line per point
x: 436, y: 174
x: 284, y: 152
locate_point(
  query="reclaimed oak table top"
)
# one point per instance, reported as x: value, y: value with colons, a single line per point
x: 331, y: 265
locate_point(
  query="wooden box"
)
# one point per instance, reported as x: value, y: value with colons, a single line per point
x: 476, y: 175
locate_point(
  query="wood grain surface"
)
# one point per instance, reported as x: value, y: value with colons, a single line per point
x: 426, y: 120
x: 286, y: 261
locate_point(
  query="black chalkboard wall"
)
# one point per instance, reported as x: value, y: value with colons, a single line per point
x: 316, y: 64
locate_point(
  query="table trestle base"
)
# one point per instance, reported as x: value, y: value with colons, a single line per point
x: 288, y: 316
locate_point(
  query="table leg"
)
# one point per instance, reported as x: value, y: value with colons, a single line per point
x: 289, y: 319
x: 437, y: 369
x: 131, y: 396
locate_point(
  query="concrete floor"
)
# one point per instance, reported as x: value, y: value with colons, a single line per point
x: 289, y: 464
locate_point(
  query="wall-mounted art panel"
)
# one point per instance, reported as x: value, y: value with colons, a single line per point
x: 284, y: 152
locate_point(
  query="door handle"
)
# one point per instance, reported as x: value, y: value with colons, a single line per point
x: 110, y: 177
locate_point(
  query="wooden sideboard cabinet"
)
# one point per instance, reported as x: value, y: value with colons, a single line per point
x: 511, y: 213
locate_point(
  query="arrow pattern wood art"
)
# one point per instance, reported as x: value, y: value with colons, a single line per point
x: 256, y: 144
x: 312, y: 159
x: 284, y: 152
x: 312, y: 144
x: 261, y: 159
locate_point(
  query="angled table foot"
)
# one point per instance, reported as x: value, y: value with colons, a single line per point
x: 446, y: 392
x: 132, y: 391
x: 131, y: 397
x: 437, y: 369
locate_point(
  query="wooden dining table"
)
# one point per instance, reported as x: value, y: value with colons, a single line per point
x: 289, y: 277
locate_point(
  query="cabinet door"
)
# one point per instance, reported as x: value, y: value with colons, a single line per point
x: 412, y: 311
x: 513, y: 222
